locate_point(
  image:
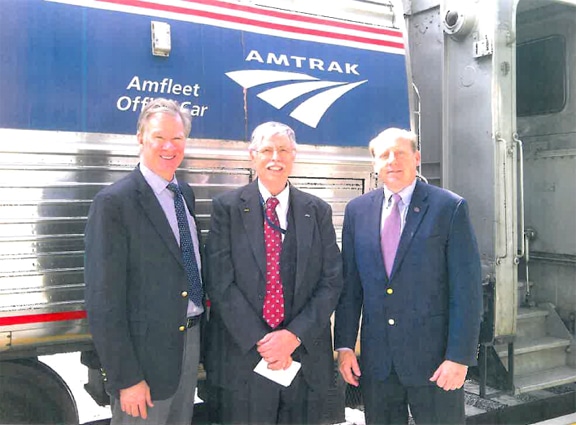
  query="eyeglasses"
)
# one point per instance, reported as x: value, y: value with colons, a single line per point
x: 269, y: 152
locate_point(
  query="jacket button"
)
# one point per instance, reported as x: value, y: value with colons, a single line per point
x: 182, y: 328
x: 184, y: 294
x: 389, y: 291
x: 391, y: 322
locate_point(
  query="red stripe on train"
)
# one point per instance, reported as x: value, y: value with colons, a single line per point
x: 41, y: 318
x: 301, y: 18
x: 256, y: 23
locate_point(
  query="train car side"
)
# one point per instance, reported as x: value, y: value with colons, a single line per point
x: 75, y: 75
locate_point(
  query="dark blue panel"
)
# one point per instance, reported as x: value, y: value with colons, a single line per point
x: 40, y: 65
x: 69, y: 68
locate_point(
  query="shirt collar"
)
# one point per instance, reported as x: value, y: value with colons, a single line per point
x: 157, y: 183
x: 282, y: 196
x: 405, y: 194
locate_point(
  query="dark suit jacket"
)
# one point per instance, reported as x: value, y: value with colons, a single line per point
x: 433, y: 296
x: 134, y: 282
x: 236, y: 285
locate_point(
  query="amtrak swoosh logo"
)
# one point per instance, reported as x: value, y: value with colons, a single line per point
x: 311, y: 110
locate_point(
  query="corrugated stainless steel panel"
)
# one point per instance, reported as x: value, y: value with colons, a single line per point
x: 47, y: 183
x: 336, y: 191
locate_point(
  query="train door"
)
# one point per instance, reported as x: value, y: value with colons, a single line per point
x: 495, y: 80
x: 546, y: 127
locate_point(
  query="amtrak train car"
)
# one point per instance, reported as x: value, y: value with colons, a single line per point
x: 489, y: 86
x: 74, y: 75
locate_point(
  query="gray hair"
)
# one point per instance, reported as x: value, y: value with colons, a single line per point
x: 165, y: 106
x: 393, y: 134
x: 268, y: 129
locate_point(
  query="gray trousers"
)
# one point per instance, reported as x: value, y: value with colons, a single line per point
x: 178, y: 409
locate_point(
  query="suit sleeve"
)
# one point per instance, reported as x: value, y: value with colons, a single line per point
x: 312, y: 320
x: 350, y: 304
x: 105, y: 273
x: 465, y: 282
x: 243, y: 323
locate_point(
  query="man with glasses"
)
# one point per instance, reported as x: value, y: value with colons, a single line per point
x: 273, y: 279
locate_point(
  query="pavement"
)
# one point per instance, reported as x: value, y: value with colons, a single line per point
x: 562, y: 420
x: 68, y: 366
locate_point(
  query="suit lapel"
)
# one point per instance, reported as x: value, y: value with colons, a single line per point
x: 188, y: 198
x: 155, y: 214
x: 251, y: 212
x: 304, y: 219
x: 416, y: 212
x: 188, y: 195
x: 372, y: 226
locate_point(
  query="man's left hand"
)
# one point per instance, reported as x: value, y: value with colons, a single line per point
x: 278, y: 345
x: 450, y: 375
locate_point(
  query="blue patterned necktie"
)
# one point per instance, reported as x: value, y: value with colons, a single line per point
x: 195, y: 292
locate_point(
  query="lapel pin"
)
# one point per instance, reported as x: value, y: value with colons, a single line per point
x: 416, y: 209
x: 307, y: 215
x: 246, y: 209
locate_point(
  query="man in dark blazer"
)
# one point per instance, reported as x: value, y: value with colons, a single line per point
x: 420, y: 319
x: 238, y: 334
x: 142, y: 318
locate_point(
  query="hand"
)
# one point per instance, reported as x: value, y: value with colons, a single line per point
x: 281, y: 364
x: 278, y: 346
x: 348, y: 366
x: 450, y: 375
x: 135, y: 399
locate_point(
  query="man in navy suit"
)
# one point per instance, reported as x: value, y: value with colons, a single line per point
x: 245, y: 277
x: 421, y: 318
x: 143, y: 322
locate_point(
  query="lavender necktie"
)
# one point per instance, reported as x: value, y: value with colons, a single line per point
x: 390, y: 235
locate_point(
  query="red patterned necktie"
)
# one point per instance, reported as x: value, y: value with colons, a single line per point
x: 273, y: 312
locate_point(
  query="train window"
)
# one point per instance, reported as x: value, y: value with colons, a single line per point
x: 541, y: 76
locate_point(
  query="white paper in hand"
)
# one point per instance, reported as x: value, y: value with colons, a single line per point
x: 282, y: 377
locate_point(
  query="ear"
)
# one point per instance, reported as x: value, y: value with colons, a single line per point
x: 376, y: 165
x: 418, y: 157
